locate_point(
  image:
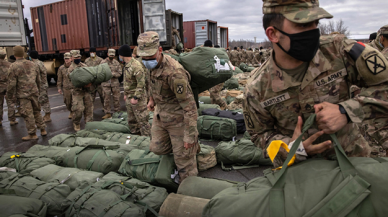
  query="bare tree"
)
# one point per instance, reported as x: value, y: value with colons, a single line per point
x: 331, y: 26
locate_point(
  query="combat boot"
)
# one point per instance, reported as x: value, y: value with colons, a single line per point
x: 70, y: 115
x: 47, y: 117
x: 107, y: 116
x: 43, y: 132
x: 17, y: 114
x: 77, y: 127
x: 30, y: 137
x: 13, y: 122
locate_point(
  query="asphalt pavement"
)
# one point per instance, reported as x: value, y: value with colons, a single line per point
x: 11, y: 136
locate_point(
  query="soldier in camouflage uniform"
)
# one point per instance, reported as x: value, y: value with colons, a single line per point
x: 135, y: 93
x: 64, y: 84
x: 24, y: 82
x: 95, y: 60
x: 4, y: 66
x: 112, y: 87
x: 174, y: 128
x: 250, y: 56
x: 82, y: 102
x: 43, y: 98
x: 244, y: 56
x: 322, y: 79
x: 234, y: 57
x: 215, y: 96
x: 381, y: 40
x: 175, y: 32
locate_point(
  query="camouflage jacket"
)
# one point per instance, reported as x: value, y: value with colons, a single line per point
x: 63, y: 80
x: 23, y: 79
x: 116, y: 69
x: 4, y: 66
x: 135, y: 79
x: 273, y: 100
x: 244, y: 55
x: 385, y: 52
x: 234, y: 55
x: 43, y: 72
x: 258, y: 57
x: 174, y: 99
x: 71, y: 69
x: 375, y: 44
x: 250, y: 55
x: 93, y: 61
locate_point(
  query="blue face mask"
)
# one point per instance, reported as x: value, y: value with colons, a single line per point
x: 121, y: 59
x: 150, y: 64
x: 30, y: 58
x: 77, y: 61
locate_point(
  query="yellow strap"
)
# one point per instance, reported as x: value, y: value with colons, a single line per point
x: 273, y: 150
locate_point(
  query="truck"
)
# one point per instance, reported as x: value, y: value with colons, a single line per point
x: 197, y: 32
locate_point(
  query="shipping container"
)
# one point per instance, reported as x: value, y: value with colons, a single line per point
x: 197, y: 32
x: 223, y: 36
x: 173, y: 19
x: 12, y: 30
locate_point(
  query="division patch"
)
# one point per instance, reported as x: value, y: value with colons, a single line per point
x: 375, y: 64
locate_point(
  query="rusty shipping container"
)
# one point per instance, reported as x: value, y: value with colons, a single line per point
x: 197, y: 32
x: 223, y: 36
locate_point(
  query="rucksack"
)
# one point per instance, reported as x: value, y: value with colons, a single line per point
x: 206, y: 158
x: 206, y: 106
x: 212, y: 127
x: 238, y: 117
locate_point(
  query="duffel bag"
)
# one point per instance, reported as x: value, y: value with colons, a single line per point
x: 241, y: 154
x: 98, y: 134
x: 316, y: 187
x: 21, y: 206
x: 232, y: 83
x: 52, y: 152
x: 120, y: 115
x: 131, y: 141
x: 52, y: 194
x: 238, y: 117
x: 149, y: 167
x: 237, y: 70
x: 207, y: 106
x: 110, y: 127
x: 245, y: 68
x: 206, y: 158
x: 24, y: 163
x: 211, y: 127
x: 204, y: 100
x: 82, y: 76
x: 73, y: 177
x: 97, y: 158
x: 116, y: 121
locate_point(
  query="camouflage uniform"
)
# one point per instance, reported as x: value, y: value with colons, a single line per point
x: 244, y: 56
x: 385, y: 52
x: 4, y: 66
x: 112, y: 87
x: 376, y: 42
x: 175, y: 116
x: 250, y: 57
x: 174, y: 32
x: 235, y: 58
x: 258, y: 57
x: 95, y: 61
x: 135, y: 85
x: 64, y: 83
x: 274, y: 100
x: 215, y: 96
x: 43, y: 97
x: 24, y: 82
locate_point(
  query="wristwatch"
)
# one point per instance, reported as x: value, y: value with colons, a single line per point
x: 135, y: 98
x: 343, y: 111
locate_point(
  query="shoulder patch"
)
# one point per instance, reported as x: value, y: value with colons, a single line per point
x: 180, y: 88
x: 375, y: 64
x: 356, y: 51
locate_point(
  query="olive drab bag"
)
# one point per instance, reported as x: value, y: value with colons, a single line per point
x: 82, y: 76
x: 110, y: 127
x: 207, y: 106
x: 52, y: 152
x: 316, y: 187
x: 14, y: 206
x: 216, y: 128
x: 23, y: 162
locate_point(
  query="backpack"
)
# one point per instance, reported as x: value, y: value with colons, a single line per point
x: 212, y: 127
x: 238, y: 117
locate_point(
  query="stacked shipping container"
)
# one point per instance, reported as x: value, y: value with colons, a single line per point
x: 197, y: 32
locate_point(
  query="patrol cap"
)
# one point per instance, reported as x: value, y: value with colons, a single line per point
x: 18, y: 51
x: 111, y: 52
x: 76, y: 53
x: 148, y: 44
x: 67, y: 55
x: 383, y: 30
x: 2, y: 52
x: 297, y: 11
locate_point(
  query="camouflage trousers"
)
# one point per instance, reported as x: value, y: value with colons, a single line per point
x: 215, y: 95
x: 138, y: 117
x: 94, y: 90
x: 10, y: 104
x: 67, y: 98
x: 30, y: 111
x: 115, y: 92
x: 169, y: 138
x: 44, y: 100
x: 82, y: 103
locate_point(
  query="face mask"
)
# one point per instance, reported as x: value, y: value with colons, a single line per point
x: 150, y: 64
x: 92, y: 55
x: 121, y: 59
x: 303, y: 45
x: 30, y: 58
x: 110, y: 58
x: 77, y: 61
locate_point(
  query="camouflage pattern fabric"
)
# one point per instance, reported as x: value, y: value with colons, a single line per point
x: 215, y: 95
x: 4, y: 66
x: 250, y: 57
x: 135, y: 82
x: 95, y: 61
x: 273, y: 101
x: 244, y: 56
x: 64, y: 84
x: 385, y: 52
x: 24, y: 82
x: 237, y: 103
x: 43, y: 97
x: 376, y: 42
x: 112, y: 87
x: 174, y: 32
x: 235, y: 58
x: 82, y: 102
x: 148, y: 44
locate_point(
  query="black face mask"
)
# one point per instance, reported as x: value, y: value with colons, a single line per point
x: 77, y: 61
x: 303, y: 45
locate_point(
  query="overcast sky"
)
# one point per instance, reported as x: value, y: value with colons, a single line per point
x: 244, y: 17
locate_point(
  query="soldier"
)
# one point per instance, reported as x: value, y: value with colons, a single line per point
x: 309, y: 74
x: 216, y: 97
x: 11, y: 59
x: 372, y: 37
x: 95, y: 60
x: 208, y: 43
x: 13, y: 103
x: 82, y: 102
x: 135, y: 93
x: 24, y: 82
x: 112, y: 87
x: 175, y: 32
x: 4, y: 66
x: 234, y: 57
x: 174, y: 128
x: 381, y: 40
x: 64, y: 84
x: 43, y: 98
x: 250, y: 57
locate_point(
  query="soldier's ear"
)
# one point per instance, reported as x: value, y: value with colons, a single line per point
x: 272, y: 35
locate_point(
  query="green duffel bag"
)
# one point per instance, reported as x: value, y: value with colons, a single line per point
x: 245, y: 68
x: 74, y: 178
x: 237, y: 70
x: 149, y: 167
x: 120, y: 115
x: 116, y: 121
x: 216, y: 128
x: 18, y: 206
x: 90, y: 202
x: 207, y: 106
x: 131, y: 141
x: 26, y: 186
x: 52, y: 152
x: 175, y: 57
x: 110, y: 127
x: 63, y: 140
x: 247, y: 135
x: 206, y: 158
x: 204, y: 100
x: 98, y: 134
x: 230, y: 99
x: 97, y: 158
x: 23, y: 162
x: 231, y: 84
x: 82, y: 76
x: 205, y: 188
x: 242, y: 154
x: 316, y: 187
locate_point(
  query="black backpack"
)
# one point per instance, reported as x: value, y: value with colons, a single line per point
x: 238, y: 117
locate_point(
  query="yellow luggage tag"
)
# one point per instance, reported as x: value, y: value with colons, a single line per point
x: 273, y: 150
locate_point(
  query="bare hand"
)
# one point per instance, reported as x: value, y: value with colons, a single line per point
x: 329, y: 117
x: 151, y: 105
x: 134, y: 101
x: 188, y: 146
x: 60, y: 91
x: 308, y: 143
